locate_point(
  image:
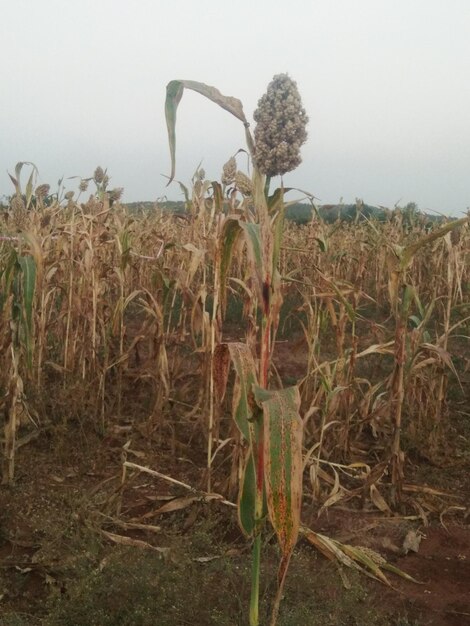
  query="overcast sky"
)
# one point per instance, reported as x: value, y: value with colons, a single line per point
x: 386, y: 84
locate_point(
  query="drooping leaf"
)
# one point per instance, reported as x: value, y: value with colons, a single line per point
x: 174, y: 93
x: 229, y: 103
x: 408, y: 253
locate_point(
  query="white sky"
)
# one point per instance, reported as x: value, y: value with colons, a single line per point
x: 386, y: 84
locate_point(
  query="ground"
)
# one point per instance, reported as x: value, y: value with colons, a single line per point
x: 74, y: 549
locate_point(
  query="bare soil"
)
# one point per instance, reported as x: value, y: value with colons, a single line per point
x: 68, y: 513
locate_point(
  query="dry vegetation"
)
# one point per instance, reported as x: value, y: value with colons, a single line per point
x: 109, y: 321
x: 226, y: 359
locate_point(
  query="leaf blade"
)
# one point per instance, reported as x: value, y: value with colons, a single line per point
x: 283, y: 463
x: 174, y: 93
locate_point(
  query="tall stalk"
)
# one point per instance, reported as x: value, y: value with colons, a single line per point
x: 400, y: 298
x: 268, y: 421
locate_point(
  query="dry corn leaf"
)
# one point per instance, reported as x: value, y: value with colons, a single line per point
x: 378, y: 500
x: 129, y: 541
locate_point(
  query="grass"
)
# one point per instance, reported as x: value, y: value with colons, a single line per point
x: 136, y: 587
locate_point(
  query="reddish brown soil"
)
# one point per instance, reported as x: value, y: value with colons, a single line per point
x: 50, y: 497
x: 63, y: 481
x: 441, y: 565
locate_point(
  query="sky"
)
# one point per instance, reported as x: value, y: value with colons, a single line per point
x: 386, y: 85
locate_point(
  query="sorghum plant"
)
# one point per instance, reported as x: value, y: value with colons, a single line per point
x: 268, y: 420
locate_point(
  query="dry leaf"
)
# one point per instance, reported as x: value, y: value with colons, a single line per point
x: 206, y: 559
x: 412, y: 541
x: 378, y: 500
x: 128, y: 541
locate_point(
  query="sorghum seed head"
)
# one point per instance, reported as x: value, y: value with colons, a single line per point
x: 243, y: 184
x: 373, y: 555
x: 83, y: 186
x: 229, y: 171
x: 19, y: 213
x: 98, y: 176
x: 69, y: 195
x: 280, y: 127
x: 17, y: 204
x: 42, y: 191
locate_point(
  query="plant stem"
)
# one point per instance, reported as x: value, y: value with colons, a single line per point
x: 266, y: 186
x: 255, y: 570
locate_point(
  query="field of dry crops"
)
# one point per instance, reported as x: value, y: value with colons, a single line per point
x: 116, y: 423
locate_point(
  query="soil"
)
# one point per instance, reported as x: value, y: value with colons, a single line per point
x: 68, y: 495
x: 441, y: 565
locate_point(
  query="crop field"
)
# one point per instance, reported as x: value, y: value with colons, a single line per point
x: 221, y: 416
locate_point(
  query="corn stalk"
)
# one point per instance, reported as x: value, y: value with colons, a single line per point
x: 400, y: 297
x: 17, y: 286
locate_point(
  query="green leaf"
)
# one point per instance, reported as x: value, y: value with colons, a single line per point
x: 29, y: 188
x: 28, y: 269
x: 278, y: 230
x: 232, y: 229
x: 283, y: 463
x: 16, y: 184
x: 276, y: 200
x: 247, y: 497
x: 416, y: 320
x: 242, y: 413
x: 16, y: 181
x: 408, y: 295
x: 229, y: 236
x: 254, y: 247
x: 322, y: 242
x: 174, y: 93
